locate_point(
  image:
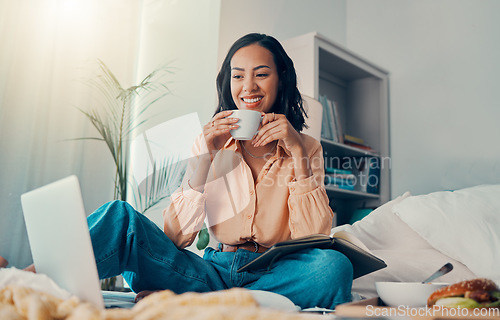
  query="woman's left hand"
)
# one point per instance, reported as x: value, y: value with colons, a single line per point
x: 277, y: 127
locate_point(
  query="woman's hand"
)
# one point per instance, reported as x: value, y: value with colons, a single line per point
x: 277, y: 127
x: 143, y: 294
x: 216, y: 132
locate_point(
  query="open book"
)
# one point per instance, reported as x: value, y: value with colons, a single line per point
x: 362, y: 260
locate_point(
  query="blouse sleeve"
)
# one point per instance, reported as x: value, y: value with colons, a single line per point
x: 308, y: 203
x: 185, y: 215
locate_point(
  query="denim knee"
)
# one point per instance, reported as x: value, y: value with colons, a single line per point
x: 116, y: 209
x: 334, y: 284
x: 112, y: 218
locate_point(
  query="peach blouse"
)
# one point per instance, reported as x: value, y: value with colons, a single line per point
x: 274, y: 208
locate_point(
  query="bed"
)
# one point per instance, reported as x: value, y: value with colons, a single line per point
x: 414, y: 235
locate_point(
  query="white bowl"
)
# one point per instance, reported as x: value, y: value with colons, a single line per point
x: 408, y: 294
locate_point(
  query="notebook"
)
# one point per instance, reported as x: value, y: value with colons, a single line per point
x: 60, y: 242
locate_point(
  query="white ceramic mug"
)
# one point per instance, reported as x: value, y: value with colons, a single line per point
x: 249, y: 121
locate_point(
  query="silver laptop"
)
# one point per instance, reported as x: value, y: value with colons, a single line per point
x: 60, y: 242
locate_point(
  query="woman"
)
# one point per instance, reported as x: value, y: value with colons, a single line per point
x: 252, y: 193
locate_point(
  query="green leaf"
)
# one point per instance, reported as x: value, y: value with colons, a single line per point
x: 457, y: 302
x: 203, y: 239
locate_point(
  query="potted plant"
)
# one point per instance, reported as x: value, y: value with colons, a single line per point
x: 119, y: 117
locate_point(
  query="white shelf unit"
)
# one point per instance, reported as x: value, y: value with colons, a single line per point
x: 361, y: 92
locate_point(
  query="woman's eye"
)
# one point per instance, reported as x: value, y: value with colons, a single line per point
x: 236, y: 76
x: 262, y: 75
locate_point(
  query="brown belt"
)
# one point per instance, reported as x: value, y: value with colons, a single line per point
x: 249, y: 245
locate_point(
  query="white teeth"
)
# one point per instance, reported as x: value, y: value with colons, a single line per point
x: 252, y: 100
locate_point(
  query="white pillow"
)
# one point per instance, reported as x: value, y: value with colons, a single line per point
x: 463, y: 224
x: 382, y: 229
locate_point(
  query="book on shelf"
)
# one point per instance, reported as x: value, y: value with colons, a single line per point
x: 340, y: 181
x: 360, y: 146
x: 353, y: 139
x: 326, y: 131
x: 348, y: 187
x: 330, y: 170
x: 336, y: 121
x: 331, y: 120
x: 331, y: 125
x: 362, y: 260
x: 373, y: 176
x: 358, y: 143
x: 368, y: 173
x: 345, y: 176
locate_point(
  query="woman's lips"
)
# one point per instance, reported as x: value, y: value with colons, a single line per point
x: 252, y: 102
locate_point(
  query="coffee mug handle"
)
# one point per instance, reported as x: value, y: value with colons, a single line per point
x: 261, y: 117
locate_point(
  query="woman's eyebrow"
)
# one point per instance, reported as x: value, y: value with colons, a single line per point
x: 261, y: 66
x: 256, y: 68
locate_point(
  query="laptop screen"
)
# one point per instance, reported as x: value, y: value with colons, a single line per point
x: 59, y: 238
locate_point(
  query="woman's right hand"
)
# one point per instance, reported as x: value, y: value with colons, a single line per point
x: 216, y: 132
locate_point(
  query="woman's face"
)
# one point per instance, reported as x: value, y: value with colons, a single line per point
x: 254, y: 78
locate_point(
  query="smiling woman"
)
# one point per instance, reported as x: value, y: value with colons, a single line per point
x: 254, y: 87
x: 249, y: 202
x: 271, y: 64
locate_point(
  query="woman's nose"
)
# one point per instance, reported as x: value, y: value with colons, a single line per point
x: 249, y: 85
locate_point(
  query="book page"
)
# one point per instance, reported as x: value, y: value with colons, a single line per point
x: 309, y: 238
x: 351, y: 238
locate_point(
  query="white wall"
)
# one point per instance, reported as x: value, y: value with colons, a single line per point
x: 183, y: 34
x: 443, y: 59
x: 282, y: 19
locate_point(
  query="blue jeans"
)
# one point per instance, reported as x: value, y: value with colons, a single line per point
x: 128, y: 243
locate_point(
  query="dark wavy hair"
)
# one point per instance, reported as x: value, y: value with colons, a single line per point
x: 288, y: 100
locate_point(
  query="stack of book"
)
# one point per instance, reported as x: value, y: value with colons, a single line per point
x: 357, y: 143
x: 331, y: 127
x: 343, y: 179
